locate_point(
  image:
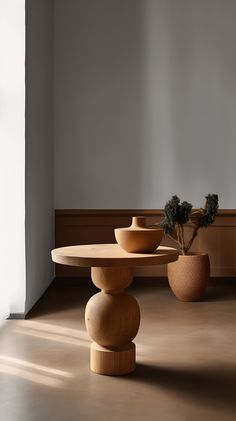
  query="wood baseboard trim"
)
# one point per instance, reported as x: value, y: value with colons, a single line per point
x: 17, y: 316
x: 88, y: 226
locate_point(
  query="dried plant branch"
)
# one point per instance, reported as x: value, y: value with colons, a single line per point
x: 173, y: 239
x: 194, y: 235
x: 178, y: 214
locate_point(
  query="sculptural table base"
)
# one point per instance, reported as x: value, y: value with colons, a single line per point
x: 112, y: 319
x: 117, y: 362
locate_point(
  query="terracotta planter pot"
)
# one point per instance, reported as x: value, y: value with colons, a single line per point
x: 189, y: 275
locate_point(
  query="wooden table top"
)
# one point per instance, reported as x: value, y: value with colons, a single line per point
x: 107, y: 255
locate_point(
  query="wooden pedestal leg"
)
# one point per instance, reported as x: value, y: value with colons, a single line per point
x: 112, y: 319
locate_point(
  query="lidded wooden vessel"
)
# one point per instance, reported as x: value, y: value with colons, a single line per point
x: 139, y: 238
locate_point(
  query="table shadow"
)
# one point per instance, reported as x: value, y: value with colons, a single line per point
x: 206, y: 385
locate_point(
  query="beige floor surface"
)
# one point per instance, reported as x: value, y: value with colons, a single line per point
x: 186, y: 361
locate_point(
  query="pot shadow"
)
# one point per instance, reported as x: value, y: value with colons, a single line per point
x: 220, y: 290
x: 207, y: 385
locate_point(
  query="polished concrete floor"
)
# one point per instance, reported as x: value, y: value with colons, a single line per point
x: 186, y: 361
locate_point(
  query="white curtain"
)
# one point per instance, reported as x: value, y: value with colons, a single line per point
x: 12, y: 157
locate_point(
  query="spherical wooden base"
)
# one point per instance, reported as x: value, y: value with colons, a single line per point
x: 112, y: 363
x: 112, y: 319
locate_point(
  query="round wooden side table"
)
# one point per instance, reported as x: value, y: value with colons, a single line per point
x: 112, y: 316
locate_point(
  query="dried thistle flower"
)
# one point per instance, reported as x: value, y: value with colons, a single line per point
x: 178, y: 214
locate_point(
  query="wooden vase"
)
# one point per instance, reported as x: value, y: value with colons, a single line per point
x: 139, y: 238
x: 189, y: 275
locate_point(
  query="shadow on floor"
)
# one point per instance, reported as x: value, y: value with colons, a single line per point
x: 205, y: 385
x: 69, y: 294
x: 220, y: 290
x: 62, y: 298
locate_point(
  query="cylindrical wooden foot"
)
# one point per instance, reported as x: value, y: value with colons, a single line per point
x: 108, y: 362
x: 112, y: 319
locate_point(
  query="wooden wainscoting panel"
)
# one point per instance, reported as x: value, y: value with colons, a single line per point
x: 97, y: 226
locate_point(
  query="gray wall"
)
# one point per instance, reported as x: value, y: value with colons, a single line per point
x: 39, y: 147
x: 145, y: 102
